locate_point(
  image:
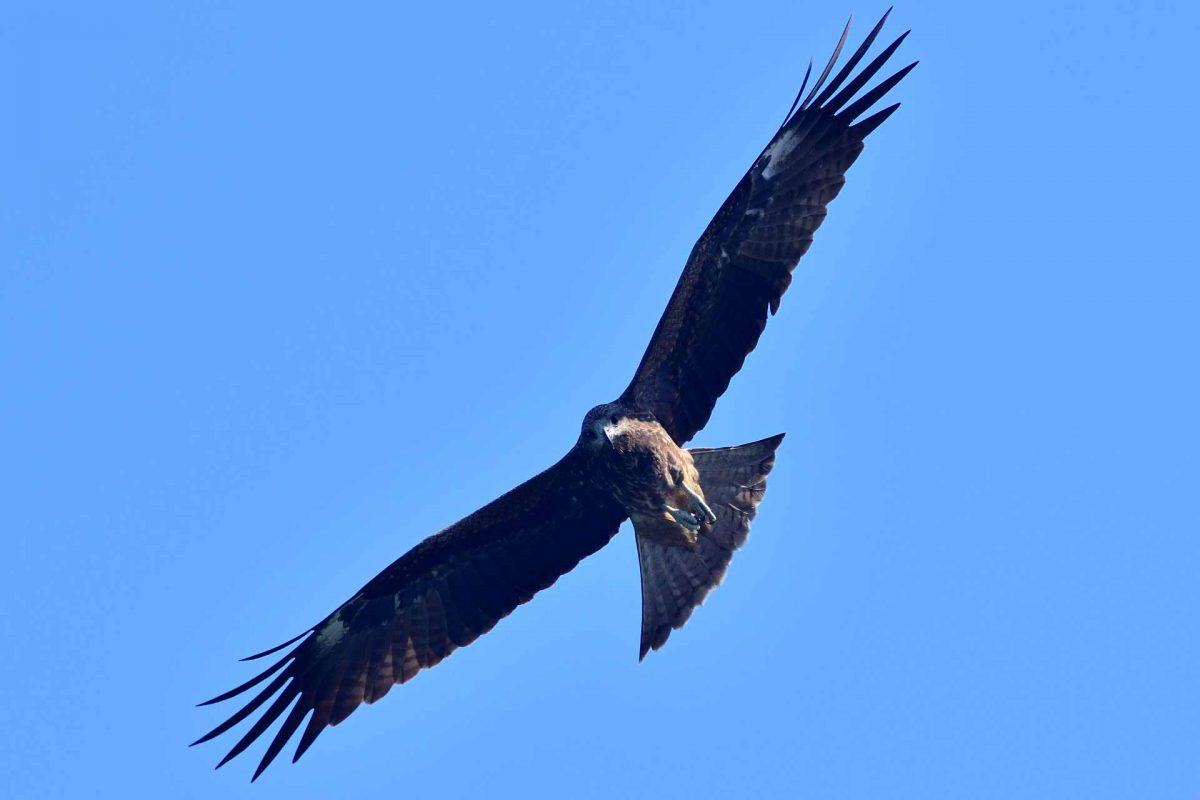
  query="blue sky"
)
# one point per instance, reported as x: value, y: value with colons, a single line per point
x: 284, y: 289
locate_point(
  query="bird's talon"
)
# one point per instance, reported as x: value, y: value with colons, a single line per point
x: 685, y: 518
x: 700, y: 509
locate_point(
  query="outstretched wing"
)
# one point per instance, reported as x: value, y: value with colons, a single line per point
x: 443, y: 594
x: 742, y: 264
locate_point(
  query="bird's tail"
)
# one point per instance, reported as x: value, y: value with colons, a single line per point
x: 675, y: 579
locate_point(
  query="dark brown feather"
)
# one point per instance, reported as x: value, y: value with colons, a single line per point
x: 441, y: 595
x: 742, y: 264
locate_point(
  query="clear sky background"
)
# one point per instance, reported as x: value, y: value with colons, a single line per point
x: 285, y: 288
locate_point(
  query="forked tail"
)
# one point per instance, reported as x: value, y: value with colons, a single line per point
x: 675, y: 579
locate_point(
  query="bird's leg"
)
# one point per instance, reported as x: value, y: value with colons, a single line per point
x: 685, y: 518
x: 699, y: 507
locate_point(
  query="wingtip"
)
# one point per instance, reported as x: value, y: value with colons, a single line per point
x: 799, y: 95
x: 837, y: 51
x: 208, y: 737
x: 278, y: 647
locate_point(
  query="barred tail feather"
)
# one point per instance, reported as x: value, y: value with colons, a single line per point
x: 674, y: 579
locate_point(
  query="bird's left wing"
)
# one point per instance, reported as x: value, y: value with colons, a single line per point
x: 441, y: 595
x: 743, y: 262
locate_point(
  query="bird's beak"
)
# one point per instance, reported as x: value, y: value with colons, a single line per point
x: 608, y: 437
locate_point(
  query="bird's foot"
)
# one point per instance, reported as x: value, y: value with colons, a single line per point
x: 699, y: 507
x: 685, y: 518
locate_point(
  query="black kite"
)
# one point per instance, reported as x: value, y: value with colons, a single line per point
x: 690, y: 508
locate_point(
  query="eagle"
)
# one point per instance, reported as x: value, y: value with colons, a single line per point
x: 690, y: 508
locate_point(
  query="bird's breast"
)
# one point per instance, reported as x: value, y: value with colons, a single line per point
x: 645, y: 467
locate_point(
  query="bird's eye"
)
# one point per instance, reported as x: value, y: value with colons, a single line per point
x: 614, y: 419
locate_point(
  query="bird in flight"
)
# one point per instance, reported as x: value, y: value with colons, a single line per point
x: 690, y: 508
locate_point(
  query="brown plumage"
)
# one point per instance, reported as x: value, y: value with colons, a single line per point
x: 647, y: 474
x: 691, y: 509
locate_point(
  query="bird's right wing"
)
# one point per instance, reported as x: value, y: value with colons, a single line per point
x: 441, y: 595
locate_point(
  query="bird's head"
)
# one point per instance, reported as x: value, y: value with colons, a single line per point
x: 600, y: 425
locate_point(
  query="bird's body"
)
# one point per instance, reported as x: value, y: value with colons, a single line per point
x: 658, y: 476
x: 653, y: 479
x: 690, y: 508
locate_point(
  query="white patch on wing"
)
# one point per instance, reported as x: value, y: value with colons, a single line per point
x: 779, y: 152
x: 331, y: 633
